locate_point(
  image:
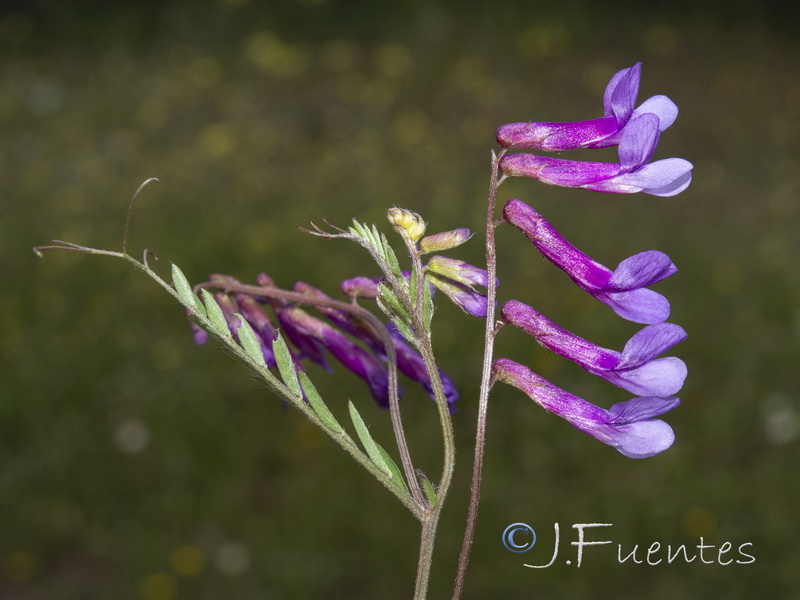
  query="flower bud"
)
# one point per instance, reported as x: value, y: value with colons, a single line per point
x: 458, y: 270
x: 361, y: 287
x: 406, y: 221
x: 446, y: 240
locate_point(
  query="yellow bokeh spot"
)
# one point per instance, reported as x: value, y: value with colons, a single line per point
x: 187, y: 560
x: 393, y: 59
x: 159, y: 586
x: 273, y: 56
x: 18, y: 566
x: 216, y: 140
x: 699, y: 522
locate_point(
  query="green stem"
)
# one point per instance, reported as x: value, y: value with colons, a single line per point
x: 340, y: 437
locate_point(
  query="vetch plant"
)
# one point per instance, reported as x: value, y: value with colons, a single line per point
x: 381, y: 329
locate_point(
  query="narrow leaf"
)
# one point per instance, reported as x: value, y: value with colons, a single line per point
x: 390, y: 301
x: 215, y: 314
x: 391, y: 257
x: 319, y: 406
x: 286, y: 365
x: 397, y: 475
x: 182, y: 287
x: 366, y: 440
x: 249, y: 341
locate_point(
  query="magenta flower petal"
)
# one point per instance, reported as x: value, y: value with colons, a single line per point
x: 627, y: 426
x: 622, y: 290
x: 635, y: 369
x: 619, y: 101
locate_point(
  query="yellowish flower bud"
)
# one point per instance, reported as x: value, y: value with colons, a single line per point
x: 406, y: 221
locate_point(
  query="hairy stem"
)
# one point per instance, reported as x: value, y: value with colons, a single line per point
x: 486, y: 375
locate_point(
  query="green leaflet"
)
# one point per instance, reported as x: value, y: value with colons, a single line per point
x: 286, y: 365
x: 215, y: 314
x: 184, y: 290
x: 249, y: 341
x: 397, y: 475
x: 366, y: 440
x: 319, y: 406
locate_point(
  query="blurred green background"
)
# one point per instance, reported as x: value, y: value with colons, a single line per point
x: 136, y: 465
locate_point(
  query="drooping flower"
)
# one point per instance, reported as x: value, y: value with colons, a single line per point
x: 623, y: 289
x: 361, y: 287
x: 300, y: 324
x: 409, y: 362
x: 618, y: 104
x: 629, y: 427
x: 635, y: 369
x: 633, y: 173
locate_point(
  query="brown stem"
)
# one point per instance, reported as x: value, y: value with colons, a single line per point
x: 483, y: 401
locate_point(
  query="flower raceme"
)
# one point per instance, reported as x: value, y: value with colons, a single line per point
x: 629, y: 427
x: 619, y: 101
x: 633, y: 173
x: 623, y: 289
x: 635, y: 369
x: 409, y: 362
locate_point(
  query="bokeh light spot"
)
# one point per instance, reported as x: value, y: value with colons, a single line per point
x: 18, y: 566
x: 131, y: 436
x: 699, y: 521
x: 159, y: 586
x: 232, y: 558
x: 187, y: 560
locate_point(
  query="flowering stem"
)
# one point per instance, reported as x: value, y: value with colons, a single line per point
x: 483, y: 401
x: 416, y: 503
x: 391, y: 357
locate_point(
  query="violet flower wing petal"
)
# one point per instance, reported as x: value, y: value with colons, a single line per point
x: 666, y: 177
x: 640, y: 270
x: 658, y: 377
x: 662, y: 107
x: 639, y: 306
x: 649, y: 342
x: 639, y: 409
x: 642, y: 439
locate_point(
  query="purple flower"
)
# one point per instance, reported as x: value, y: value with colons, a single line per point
x: 633, y: 173
x: 635, y: 369
x: 409, y: 362
x: 299, y: 324
x: 361, y: 287
x: 627, y: 426
x: 623, y: 289
x: 618, y: 103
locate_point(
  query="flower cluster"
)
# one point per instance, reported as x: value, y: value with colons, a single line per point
x: 350, y: 340
x: 634, y: 130
x: 630, y: 426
